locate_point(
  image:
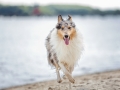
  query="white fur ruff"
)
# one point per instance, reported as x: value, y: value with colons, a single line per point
x: 69, y: 54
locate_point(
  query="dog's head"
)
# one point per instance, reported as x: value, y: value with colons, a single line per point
x: 66, y: 29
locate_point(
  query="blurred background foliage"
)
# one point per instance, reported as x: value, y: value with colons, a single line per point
x: 50, y: 10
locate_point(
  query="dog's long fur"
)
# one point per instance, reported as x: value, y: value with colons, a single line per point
x: 64, y: 54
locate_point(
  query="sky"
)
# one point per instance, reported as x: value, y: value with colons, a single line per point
x: 101, y: 4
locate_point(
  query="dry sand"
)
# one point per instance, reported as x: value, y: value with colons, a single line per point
x: 99, y: 81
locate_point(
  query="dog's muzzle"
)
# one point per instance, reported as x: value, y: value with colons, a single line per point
x: 66, y: 39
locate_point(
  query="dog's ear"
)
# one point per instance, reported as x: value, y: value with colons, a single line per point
x: 60, y: 18
x: 69, y: 18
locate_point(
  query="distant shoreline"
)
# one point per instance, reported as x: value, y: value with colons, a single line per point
x: 64, y: 15
x: 55, y: 9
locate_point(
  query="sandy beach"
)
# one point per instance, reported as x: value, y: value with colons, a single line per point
x: 99, y: 81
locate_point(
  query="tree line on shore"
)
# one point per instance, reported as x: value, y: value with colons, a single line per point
x: 51, y: 10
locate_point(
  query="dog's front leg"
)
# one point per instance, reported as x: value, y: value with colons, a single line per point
x: 66, y: 72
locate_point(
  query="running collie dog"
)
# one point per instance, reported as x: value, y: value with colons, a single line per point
x: 64, y: 47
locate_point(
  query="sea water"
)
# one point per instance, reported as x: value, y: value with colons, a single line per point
x: 23, y: 57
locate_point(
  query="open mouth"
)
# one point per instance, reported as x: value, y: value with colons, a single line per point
x: 66, y: 39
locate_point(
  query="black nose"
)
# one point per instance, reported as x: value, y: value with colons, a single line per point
x: 66, y: 36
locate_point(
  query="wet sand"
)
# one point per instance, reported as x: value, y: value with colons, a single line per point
x: 100, y: 81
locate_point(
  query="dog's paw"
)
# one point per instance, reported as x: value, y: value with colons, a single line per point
x: 72, y: 80
x: 59, y: 81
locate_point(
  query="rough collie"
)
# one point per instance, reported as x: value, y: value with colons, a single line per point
x: 64, y: 47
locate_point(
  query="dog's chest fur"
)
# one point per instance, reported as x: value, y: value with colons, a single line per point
x: 68, y: 54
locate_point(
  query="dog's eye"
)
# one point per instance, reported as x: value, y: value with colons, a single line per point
x: 69, y: 27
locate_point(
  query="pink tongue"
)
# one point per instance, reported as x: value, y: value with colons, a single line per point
x: 66, y: 41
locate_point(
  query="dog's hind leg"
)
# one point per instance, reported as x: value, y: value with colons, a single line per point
x: 66, y: 72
